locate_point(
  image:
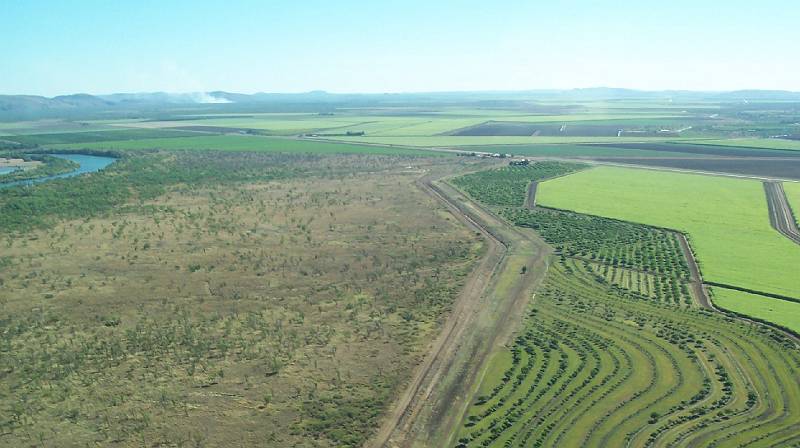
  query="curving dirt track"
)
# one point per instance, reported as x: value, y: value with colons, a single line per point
x: 780, y: 214
x: 483, y: 317
x: 407, y: 407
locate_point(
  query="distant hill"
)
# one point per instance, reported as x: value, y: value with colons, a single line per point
x: 127, y: 104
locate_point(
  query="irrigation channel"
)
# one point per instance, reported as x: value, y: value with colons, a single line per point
x: 87, y: 164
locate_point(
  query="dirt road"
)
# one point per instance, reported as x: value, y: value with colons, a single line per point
x: 484, y: 317
x: 695, y: 279
x: 530, y: 199
x: 780, y: 214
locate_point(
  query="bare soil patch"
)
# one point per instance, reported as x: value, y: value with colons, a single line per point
x: 767, y: 167
x: 710, y: 150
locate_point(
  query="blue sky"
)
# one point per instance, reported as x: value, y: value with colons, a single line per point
x: 56, y: 47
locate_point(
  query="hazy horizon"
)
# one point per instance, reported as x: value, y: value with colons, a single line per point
x: 486, y: 91
x: 57, y: 48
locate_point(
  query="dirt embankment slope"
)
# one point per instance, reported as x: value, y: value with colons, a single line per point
x: 484, y: 317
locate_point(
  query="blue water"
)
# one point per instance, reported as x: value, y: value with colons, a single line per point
x: 88, y: 164
x: 5, y: 170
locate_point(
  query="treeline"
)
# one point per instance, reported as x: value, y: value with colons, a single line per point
x: 508, y: 186
x: 140, y: 175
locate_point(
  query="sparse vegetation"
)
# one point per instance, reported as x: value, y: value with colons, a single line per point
x: 294, y: 292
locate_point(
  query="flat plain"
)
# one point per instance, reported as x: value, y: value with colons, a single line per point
x: 295, y: 275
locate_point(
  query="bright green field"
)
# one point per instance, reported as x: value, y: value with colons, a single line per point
x: 792, y: 190
x: 767, y: 143
x: 283, y: 124
x: 781, y: 312
x: 413, y: 127
x: 243, y: 143
x: 726, y: 219
x: 452, y: 140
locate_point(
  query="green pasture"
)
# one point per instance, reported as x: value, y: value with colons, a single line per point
x: 781, y: 312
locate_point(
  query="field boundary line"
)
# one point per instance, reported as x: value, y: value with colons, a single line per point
x: 753, y: 291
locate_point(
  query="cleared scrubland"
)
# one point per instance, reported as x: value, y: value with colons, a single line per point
x: 259, y: 300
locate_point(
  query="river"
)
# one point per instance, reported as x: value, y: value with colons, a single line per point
x: 88, y: 164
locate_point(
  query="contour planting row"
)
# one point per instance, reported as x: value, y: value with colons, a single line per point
x: 667, y: 289
x: 721, y: 341
x: 596, y: 366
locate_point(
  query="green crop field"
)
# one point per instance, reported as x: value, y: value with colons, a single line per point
x: 781, y: 312
x: 279, y: 125
x: 726, y: 219
x: 243, y: 143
